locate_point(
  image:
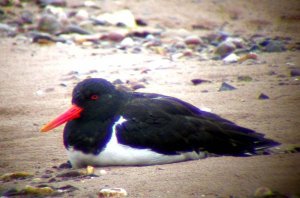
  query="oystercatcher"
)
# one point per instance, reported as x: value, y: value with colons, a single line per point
x: 107, y: 126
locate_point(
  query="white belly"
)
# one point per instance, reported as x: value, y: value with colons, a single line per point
x: 118, y: 154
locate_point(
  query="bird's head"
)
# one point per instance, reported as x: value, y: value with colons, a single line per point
x: 93, y: 98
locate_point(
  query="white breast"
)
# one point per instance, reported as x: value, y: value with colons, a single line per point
x: 118, y: 154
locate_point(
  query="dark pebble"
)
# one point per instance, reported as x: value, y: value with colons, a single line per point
x: 52, y: 180
x: 273, y: 45
x: 66, y: 165
x: 63, y: 84
x: 67, y: 188
x: 140, y: 34
x: 137, y: 86
x: 193, y: 40
x: 61, y: 3
x: 10, y: 192
x: 295, y: 72
x: 263, y: 96
x: 49, y: 171
x: 113, y: 36
x: 70, y: 173
x: 27, y: 17
x: 226, y: 87
x: 198, y: 81
x: 42, y: 38
x: 46, y: 176
x: 75, y: 29
x: 141, y: 22
x: 49, y: 23
x: 224, y: 49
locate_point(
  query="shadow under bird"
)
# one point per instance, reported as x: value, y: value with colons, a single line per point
x: 106, y: 126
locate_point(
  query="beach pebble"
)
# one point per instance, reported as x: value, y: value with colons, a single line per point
x: 198, y: 81
x: 113, y: 36
x: 52, y: 2
x: 295, y: 72
x: 102, y: 172
x: 263, y: 96
x: 81, y: 15
x: 16, y: 175
x: 72, y: 28
x: 247, y: 57
x: 226, y: 87
x: 127, y: 42
x: 71, y: 173
x: 231, y: 58
x: 27, y: 16
x: 224, y: 49
x: 38, y: 191
x: 119, y: 18
x: 193, y: 40
x: 7, y: 30
x: 112, y: 192
x: 270, y: 45
x: 49, y: 23
x: 244, y: 78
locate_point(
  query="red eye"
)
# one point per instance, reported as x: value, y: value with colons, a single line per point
x: 94, y: 97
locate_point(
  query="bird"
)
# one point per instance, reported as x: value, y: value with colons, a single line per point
x: 107, y: 126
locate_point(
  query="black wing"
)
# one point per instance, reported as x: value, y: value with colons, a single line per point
x: 168, y: 125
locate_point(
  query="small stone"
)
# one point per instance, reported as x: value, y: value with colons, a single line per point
x: 67, y: 188
x: 295, y: 72
x: 90, y: 170
x: 244, y: 78
x: 17, y: 175
x: 38, y: 191
x: 71, y: 173
x: 270, y: 45
x: 75, y: 29
x: 127, y: 42
x: 263, y: 96
x: 141, y: 22
x: 81, y: 15
x: 49, y: 23
x: 46, y: 176
x: 112, y: 192
x: 27, y: 17
x: 66, y: 165
x: 113, y: 36
x: 198, y: 81
x: 43, y: 39
x: 136, y: 86
x: 121, y: 18
x: 61, y: 3
x: 226, y: 87
x: 102, y: 172
x: 247, y: 57
x: 231, y: 58
x: 10, y: 192
x: 91, y: 4
x: 224, y: 49
x: 9, y: 30
x: 193, y: 40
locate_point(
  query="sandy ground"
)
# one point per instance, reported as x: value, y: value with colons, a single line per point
x: 31, y: 95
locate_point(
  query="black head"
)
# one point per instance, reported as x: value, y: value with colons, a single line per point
x: 97, y: 97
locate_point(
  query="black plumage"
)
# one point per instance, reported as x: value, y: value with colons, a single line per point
x: 160, y: 123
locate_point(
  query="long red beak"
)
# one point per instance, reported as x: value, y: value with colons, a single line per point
x: 70, y: 114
